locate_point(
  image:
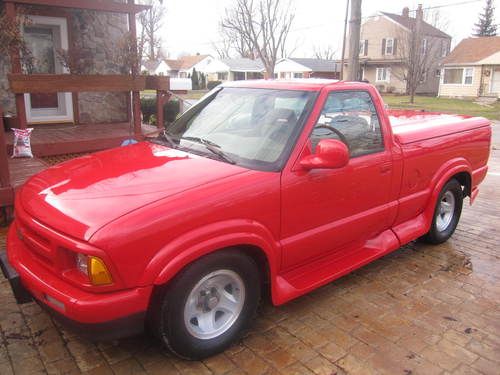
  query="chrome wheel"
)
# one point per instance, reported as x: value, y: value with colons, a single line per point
x: 214, y: 304
x: 446, y: 211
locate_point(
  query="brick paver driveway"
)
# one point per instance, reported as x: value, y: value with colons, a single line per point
x: 420, y: 310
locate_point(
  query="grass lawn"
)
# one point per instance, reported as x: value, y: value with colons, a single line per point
x: 459, y: 106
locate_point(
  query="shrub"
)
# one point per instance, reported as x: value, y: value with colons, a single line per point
x: 212, y: 84
x: 148, y: 109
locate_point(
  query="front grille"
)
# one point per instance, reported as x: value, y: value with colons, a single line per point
x: 39, y: 246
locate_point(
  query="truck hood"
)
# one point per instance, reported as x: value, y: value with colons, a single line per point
x: 80, y: 196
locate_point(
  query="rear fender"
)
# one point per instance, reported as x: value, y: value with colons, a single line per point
x: 441, y: 177
x: 194, y: 244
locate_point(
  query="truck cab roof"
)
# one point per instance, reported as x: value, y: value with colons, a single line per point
x: 308, y: 84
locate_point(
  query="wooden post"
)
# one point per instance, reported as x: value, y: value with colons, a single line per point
x: 136, y: 99
x: 15, y: 63
x: 6, y: 190
x: 354, y: 31
x: 4, y: 159
x: 162, y: 97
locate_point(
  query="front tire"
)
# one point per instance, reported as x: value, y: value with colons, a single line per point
x: 446, y: 213
x: 206, y: 307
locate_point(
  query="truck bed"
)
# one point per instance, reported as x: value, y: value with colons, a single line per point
x: 411, y: 126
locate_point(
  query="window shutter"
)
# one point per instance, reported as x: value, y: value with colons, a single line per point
x: 383, y: 47
x: 366, y: 47
x: 394, y: 46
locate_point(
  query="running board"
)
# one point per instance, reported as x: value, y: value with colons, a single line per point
x: 301, y: 280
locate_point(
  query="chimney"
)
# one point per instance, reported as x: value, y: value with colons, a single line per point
x: 420, y: 12
x: 405, y: 12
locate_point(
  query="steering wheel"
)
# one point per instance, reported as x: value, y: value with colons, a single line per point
x: 336, y: 131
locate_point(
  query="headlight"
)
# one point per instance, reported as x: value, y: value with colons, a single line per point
x: 94, y: 268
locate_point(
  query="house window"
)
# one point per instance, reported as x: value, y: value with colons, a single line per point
x: 383, y: 75
x: 389, y: 46
x: 468, y: 76
x: 458, y: 76
x: 362, y: 47
x: 298, y: 75
x: 222, y: 76
x: 239, y: 76
x: 423, y: 48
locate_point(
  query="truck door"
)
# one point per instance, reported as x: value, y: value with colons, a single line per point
x: 325, y: 211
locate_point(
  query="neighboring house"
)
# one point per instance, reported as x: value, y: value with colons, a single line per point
x: 156, y: 68
x: 288, y: 68
x: 183, y: 66
x: 162, y: 68
x: 382, y: 48
x: 237, y: 69
x: 472, y: 69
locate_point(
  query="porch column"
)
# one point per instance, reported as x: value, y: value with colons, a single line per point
x: 6, y: 190
x: 15, y: 63
x: 162, y: 97
x: 136, y: 100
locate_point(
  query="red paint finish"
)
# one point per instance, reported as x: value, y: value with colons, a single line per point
x: 148, y: 210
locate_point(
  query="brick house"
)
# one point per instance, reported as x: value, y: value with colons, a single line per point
x: 472, y: 69
x: 383, y: 37
x: 96, y: 35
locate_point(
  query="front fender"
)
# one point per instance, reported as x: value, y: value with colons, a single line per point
x: 192, y: 245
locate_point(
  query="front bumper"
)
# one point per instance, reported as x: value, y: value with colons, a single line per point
x: 95, y: 315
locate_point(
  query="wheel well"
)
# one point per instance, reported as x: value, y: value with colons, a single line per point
x: 254, y: 252
x: 258, y: 255
x: 465, y: 180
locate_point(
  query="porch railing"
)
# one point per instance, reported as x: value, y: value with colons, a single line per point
x: 21, y: 84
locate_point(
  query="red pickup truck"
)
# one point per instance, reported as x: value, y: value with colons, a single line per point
x: 272, y: 187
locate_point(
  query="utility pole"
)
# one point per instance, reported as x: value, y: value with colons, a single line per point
x: 343, y: 40
x: 354, y: 31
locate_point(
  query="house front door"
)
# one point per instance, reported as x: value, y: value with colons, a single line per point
x: 46, y: 37
x: 495, y: 81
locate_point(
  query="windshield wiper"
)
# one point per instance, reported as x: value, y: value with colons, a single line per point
x: 213, y: 147
x: 168, y: 138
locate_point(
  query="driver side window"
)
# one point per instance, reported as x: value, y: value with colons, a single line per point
x: 350, y: 116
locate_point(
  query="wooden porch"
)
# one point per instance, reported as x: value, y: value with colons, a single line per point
x: 48, y: 140
x: 59, y: 139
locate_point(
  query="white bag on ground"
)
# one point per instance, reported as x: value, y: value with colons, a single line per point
x: 22, y: 143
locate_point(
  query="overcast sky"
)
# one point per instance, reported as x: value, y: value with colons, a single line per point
x: 191, y: 26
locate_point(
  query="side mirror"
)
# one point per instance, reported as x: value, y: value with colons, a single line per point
x: 330, y: 154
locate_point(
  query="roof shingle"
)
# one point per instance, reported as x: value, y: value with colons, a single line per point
x: 409, y: 23
x: 471, y: 50
x: 318, y: 65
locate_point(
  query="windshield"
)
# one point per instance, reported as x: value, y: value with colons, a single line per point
x: 255, y: 128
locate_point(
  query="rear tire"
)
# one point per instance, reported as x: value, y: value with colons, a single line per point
x: 446, y: 213
x: 208, y: 304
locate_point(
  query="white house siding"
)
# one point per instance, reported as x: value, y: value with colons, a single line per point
x: 461, y: 90
x: 286, y: 68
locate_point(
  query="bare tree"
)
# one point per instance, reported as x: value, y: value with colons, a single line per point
x: 233, y: 43
x: 419, y: 55
x: 326, y: 53
x: 435, y: 18
x: 151, y: 22
x: 263, y: 25
x: 222, y: 49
